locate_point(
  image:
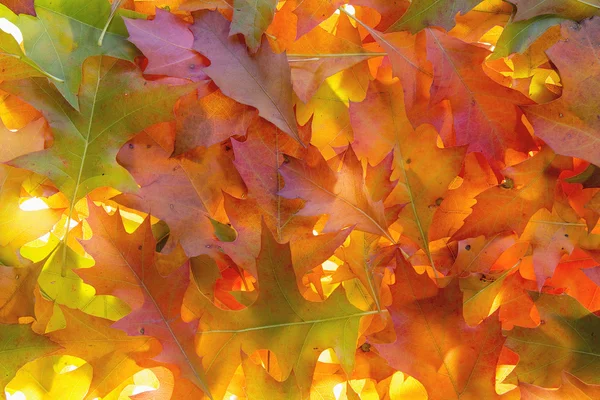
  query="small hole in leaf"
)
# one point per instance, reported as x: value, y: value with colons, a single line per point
x: 468, y: 247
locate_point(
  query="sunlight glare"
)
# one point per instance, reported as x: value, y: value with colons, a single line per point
x: 349, y: 9
x: 15, y: 396
x: 33, y: 204
x: 330, y: 266
x: 68, y: 368
x: 337, y: 390
x: 11, y: 29
x: 141, y: 389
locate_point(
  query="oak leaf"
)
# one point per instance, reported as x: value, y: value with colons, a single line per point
x: 185, y: 191
x: 527, y: 187
x: 167, y: 43
x: 252, y: 18
x: 425, y: 13
x: 295, y: 330
x: 571, y: 387
x: 569, y: 125
x: 28, y: 139
x: 209, y: 120
x: 262, y: 81
x: 486, y: 114
x: 20, y: 6
x: 116, y: 103
x: 19, y: 345
x: 340, y: 194
x: 572, y: 9
x: 72, y: 34
x: 434, y: 344
x: 564, y: 340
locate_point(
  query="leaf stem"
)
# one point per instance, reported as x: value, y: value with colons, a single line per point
x: 316, y: 321
x: 338, y: 55
x: 113, y: 11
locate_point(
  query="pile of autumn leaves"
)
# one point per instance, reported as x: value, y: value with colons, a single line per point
x: 300, y: 199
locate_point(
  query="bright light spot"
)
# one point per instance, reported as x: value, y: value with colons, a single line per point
x: 68, y: 368
x: 72, y: 224
x: 315, y: 232
x: 33, y: 204
x: 45, y: 238
x: 11, y: 29
x: 109, y: 209
x: 349, y: 9
x: 141, y: 389
x: 329, y: 266
x: 16, y: 396
x: 233, y: 397
x: 337, y: 390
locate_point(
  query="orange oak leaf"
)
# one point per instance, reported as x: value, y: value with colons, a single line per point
x: 435, y: 345
x: 408, y: 57
x: 126, y: 265
x: 209, y: 120
x: 112, y: 354
x: 171, y: 189
x: 421, y: 186
x: 312, y: 12
x: 552, y: 236
x: 477, y: 176
x: 262, y: 81
x: 527, y: 187
x: 313, y: 59
x: 27, y: 140
x: 167, y: 43
x: 16, y: 298
x: 341, y: 195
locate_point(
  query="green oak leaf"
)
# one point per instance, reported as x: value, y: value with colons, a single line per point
x: 19, y: 345
x: 566, y: 339
x: 425, y: 13
x: 294, y: 329
x: 66, y: 32
x: 251, y: 18
x: 518, y: 36
x: 116, y: 103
